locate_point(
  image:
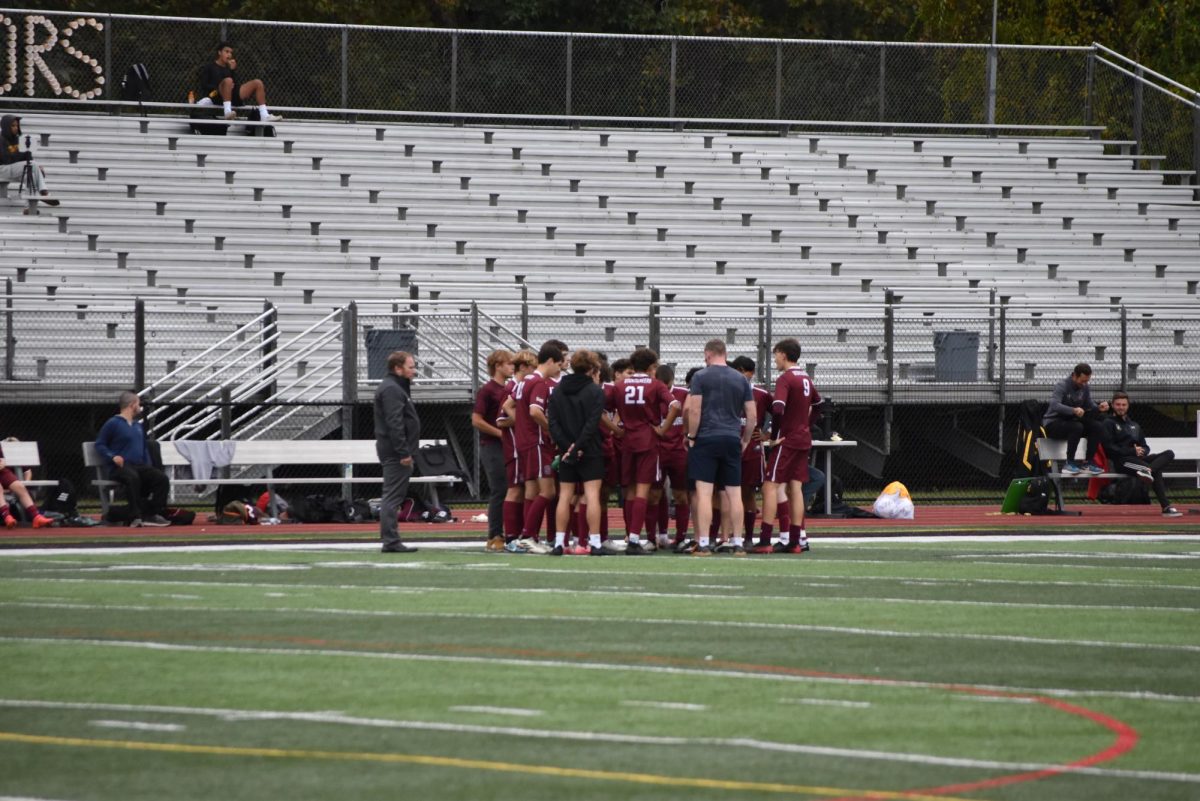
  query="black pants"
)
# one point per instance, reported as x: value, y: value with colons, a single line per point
x: 1073, y: 431
x: 491, y: 458
x: 1156, y: 462
x: 146, y: 487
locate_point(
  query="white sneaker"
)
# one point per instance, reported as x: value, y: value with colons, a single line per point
x: 538, y: 547
x: 231, y: 115
x: 648, y: 545
x: 271, y: 118
x: 1171, y: 511
x: 613, y: 546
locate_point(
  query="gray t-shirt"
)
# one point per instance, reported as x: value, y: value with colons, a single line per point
x: 724, y: 393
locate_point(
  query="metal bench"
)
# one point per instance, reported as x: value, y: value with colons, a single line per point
x: 271, y: 453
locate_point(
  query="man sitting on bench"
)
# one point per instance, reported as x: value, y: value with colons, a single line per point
x: 1072, y: 413
x: 1126, y: 448
x: 122, y: 443
x: 219, y: 83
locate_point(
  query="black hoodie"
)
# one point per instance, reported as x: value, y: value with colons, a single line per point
x: 574, y: 411
x: 11, y: 152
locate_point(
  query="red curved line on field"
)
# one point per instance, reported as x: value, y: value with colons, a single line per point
x: 1126, y: 736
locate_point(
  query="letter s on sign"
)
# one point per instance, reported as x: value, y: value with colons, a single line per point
x: 97, y: 88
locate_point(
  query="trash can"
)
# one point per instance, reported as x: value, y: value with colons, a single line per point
x: 381, y: 342
x: 956, y: 355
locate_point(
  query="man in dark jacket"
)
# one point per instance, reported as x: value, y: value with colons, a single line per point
x: 1126, y: 448
x: 1071, y: 414
x: 574, y: 413
x: 397, y: 437
x: 123, y: 445
x: 13, y: 160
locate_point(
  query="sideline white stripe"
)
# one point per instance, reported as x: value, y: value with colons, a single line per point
x: 885, y: 539
x: 136, y: 725
x: 499, y: 710
x: 24, y: 798
x: 587, y: 736
x: 630, y: 592
x: 826, y: 702
x: 388, y: 613
x: 676, y: 705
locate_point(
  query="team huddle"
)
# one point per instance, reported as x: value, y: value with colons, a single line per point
x: 568, y: 439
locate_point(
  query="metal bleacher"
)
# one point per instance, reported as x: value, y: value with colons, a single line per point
x: 328, y: 212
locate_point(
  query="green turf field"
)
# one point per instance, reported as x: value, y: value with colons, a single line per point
x: 883, y: 670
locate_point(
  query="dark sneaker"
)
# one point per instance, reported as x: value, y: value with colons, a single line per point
x: 1093, y: 468
x: 1171, y: 511
x: 594, y: 551
x: 557, y: 550
x: 135, y: 522
x: 156, y: 521
x: 687, y: 546
x: 1071, y: 469
x: 1144, y: 473
x: 635, y: 549
x: 783, y: 547
x: 737, y: 550
x: 399, y: 547
x: 764, y: 547
x: 703, y: 550
x: 724, y: 546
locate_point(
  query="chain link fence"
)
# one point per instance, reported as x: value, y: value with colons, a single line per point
x: 347, y: 67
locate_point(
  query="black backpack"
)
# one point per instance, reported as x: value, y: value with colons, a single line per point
x: 437, y: 460
x: 1029, y: 430
x: 135, y: 86
x: 1037, y: 497
x: 1124, y: 490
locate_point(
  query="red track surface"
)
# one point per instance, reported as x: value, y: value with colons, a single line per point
x: 1095, y: 518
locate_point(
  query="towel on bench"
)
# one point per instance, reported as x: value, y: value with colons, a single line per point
x: 205, y: 455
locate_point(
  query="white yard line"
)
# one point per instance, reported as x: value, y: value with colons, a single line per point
x: 499, y: 710
x: 137, y: 725
x: 637, y: 593
x: 389, y: 613
x: 674, y: 705
x: 457, y: 545
x: 611, y: 737
x: 826, y: 702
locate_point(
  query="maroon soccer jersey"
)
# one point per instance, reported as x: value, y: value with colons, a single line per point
x: 762, y: 405
x: 639, y: 400
x: 510, y: 432
x: 795, y: 396
x: 532, y: 391
x: 488, y: 403
x: 673, y: 441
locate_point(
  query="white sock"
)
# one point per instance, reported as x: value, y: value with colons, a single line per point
x: 803, y: 537
x: 737, y: 541
x: 633, y: 538
x: 228, y: 105
x: 560, y: 539
x: 703, y: 540
x: 594, y: 540
x: 262, y: 111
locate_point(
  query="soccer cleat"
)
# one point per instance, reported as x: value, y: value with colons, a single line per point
x: 648, y: 546
x: 724, y: 546
x: 1171, y: 511
x: 1071, y: 469
x: 635, y: 549
x: 40, y: 521
x: 687, y: 546
x: 494, y: 545
x: 557, y: 550
x: 703, y: 550
x: 272, y: 118
x: 539, y: 548
x: 516, y: 546
x: 594, y: 551
x: 10, y: 522
x: 738, y: 550
x: 613, y: 546
x: 783, y: 547
x: 763, y: 548
x: 579, y: 550
x: 665, y: 542
x: 1093, y: 468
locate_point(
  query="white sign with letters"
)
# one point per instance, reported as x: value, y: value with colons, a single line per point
x: 38, y: 26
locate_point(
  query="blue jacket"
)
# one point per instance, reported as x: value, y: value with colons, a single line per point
x: 119, y: 438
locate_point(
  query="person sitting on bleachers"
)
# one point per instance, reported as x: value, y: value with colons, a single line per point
x: 10, y: 482
x: 1127, y: 451
x: 218, y: 83
x: 122, y: 443
x: 13, y: 161
x: 1071, y: 414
